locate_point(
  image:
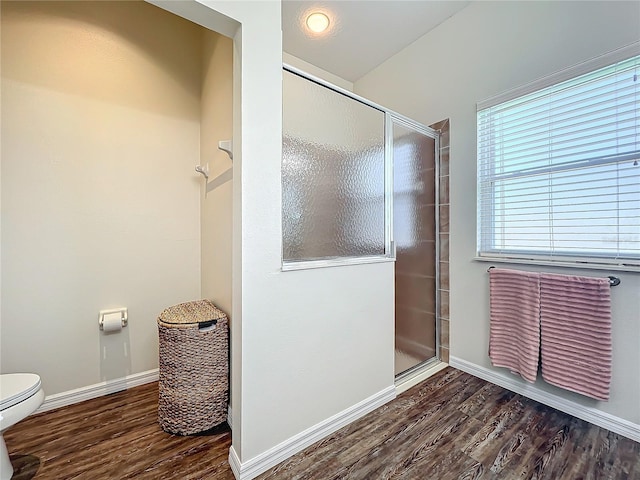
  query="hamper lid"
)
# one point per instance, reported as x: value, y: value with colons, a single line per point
x: 196, y: 312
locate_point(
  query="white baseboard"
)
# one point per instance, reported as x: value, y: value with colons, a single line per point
x: 98, y: 390
x: 263, y: 462
x: 589, y: 414
x: 234, y: 463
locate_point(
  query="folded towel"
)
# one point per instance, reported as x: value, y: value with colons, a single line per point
x: 514, y: 339
x: 575, y: 323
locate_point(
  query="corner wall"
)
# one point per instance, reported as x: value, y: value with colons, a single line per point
x: 100, y: 203
x: 216, y: 124
x: 486, y: 49
x: 314, y: 342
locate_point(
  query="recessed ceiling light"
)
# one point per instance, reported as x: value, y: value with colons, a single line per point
x: 317, y: 22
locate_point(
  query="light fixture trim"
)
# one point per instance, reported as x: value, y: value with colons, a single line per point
x: 317, y: 22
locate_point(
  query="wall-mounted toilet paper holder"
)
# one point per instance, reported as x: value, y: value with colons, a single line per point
x: 124, y: 318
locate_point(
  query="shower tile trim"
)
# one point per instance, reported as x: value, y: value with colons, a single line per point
x: 443, y: 127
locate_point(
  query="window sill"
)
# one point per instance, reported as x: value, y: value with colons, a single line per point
x: 558, y: 263
x: 311, y: 264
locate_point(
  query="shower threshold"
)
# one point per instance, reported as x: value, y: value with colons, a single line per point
x: 417, y: 374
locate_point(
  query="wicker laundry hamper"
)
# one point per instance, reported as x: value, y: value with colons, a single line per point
x: 194, y: 367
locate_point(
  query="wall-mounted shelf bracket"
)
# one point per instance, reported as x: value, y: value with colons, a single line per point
x: 226, y: 146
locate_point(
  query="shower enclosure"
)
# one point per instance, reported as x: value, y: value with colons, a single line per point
x: 358, y: 185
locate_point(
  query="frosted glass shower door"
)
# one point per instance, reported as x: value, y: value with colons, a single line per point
x: 414, y: 235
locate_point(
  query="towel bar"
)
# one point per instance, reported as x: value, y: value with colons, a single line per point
x: 613, y: 281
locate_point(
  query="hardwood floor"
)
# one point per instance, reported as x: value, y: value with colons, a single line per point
x: 456, y: 426
x: 114, y: 437
x: 453, y: 426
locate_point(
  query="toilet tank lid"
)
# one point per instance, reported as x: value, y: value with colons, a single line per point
x: 16, y: 387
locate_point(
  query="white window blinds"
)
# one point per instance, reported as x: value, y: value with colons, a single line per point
x: 559, y: 170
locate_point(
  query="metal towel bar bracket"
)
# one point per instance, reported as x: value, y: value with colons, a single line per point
x: 613, y: 281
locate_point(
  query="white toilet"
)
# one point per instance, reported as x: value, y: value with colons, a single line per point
x: 20, y: 395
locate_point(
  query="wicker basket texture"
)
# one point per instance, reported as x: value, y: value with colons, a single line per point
x: 194, y: 368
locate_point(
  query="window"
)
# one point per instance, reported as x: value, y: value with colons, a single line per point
x: 559, y: 170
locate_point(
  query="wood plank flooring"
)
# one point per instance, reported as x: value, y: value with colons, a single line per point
x: 114, y: 437
x: 453, y: 426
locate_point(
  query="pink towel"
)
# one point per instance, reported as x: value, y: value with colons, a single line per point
x: 514, y: 340
x: 575, y: 321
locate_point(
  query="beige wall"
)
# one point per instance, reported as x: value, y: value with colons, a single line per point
x: 216, y: 197
x: 100, y: 203
x: 486, y: 49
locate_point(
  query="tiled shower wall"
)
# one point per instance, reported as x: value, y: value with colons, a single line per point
x: 443, y: 287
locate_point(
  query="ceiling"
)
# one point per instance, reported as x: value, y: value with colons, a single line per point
x: 362, y: 33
